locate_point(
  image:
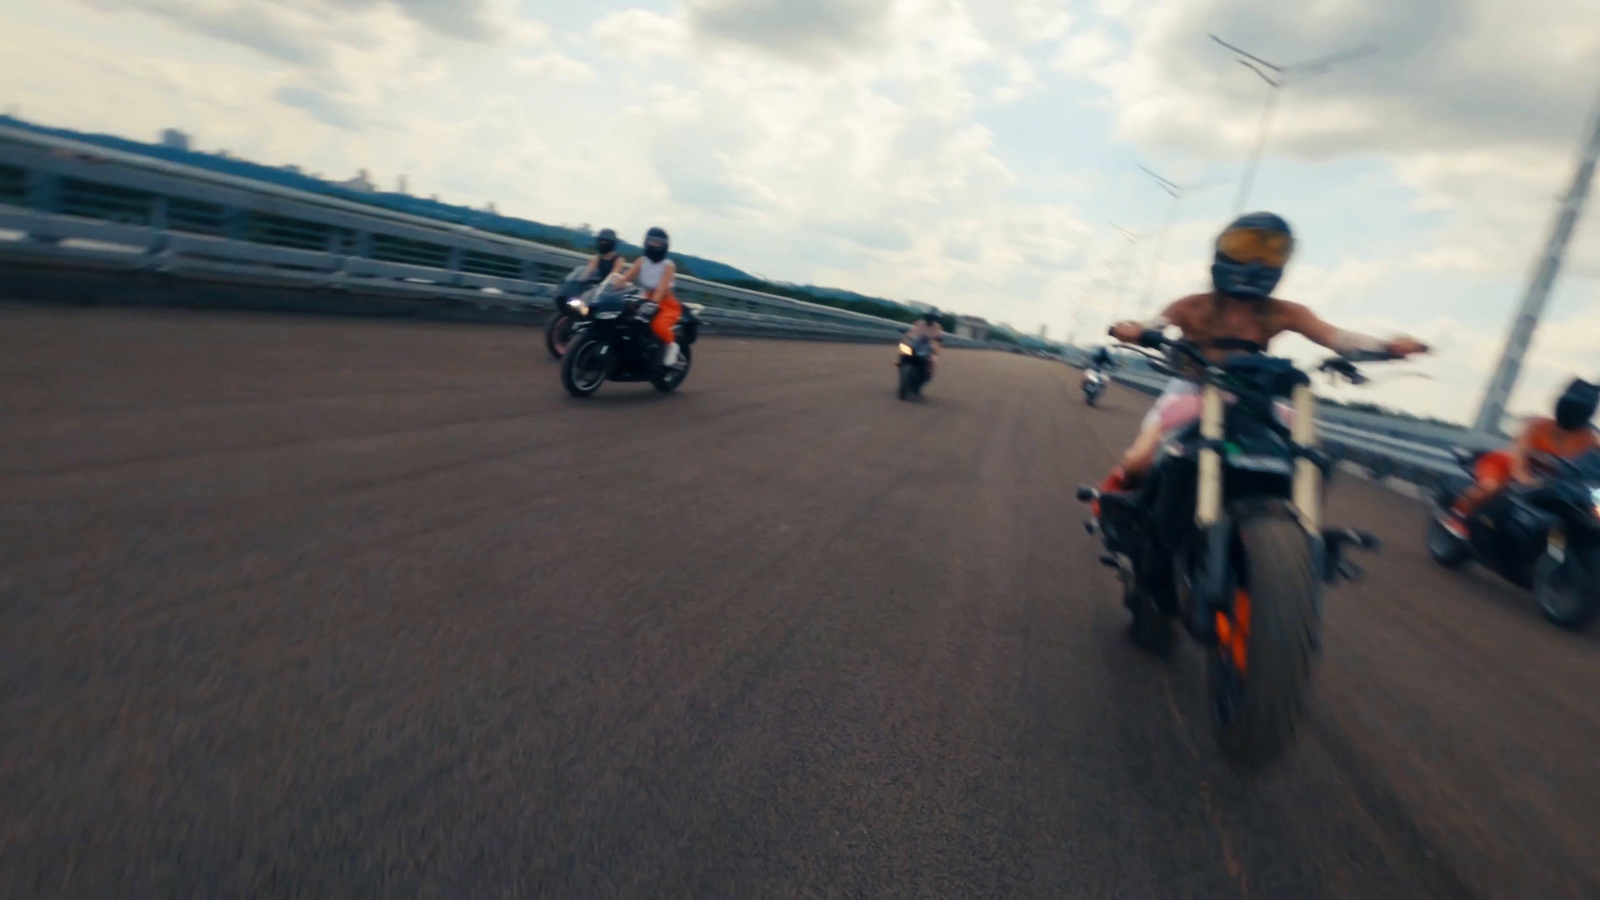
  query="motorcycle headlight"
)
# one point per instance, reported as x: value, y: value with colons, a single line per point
x: 905, y: 349
x: 578, y: 306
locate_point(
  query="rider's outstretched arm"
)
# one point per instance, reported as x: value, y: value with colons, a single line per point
x: 1301, y: 320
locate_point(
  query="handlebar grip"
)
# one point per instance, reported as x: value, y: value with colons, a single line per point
x: 1152, y: 339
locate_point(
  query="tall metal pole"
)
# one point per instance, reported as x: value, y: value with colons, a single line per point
x: 1261, y: 146
x: 1493, y: 408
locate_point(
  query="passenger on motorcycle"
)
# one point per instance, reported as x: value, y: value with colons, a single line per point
x: 1251, y: 254
x: 606, y: 256
x: 1568, y: 435
x: 929, y: 327
x: 654, y: 273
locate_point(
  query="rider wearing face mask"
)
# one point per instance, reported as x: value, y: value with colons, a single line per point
x: 1566, y: 435
x: 929, y: 327
x: 654, y: 273
x: 1251, y: 254
x: 606, y: 256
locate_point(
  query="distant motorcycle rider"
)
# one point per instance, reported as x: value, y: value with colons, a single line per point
x: 606, y: 256
x: 1249, y: 260
x: 654, y: 272
x: 929, y: 327
x: 1566, y: 435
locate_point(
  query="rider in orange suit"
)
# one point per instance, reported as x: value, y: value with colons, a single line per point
x: 1568, y: 435
x: 654, y: 272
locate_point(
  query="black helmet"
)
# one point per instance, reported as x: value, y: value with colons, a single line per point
x: 1577, y: 404
x: 930, y: 316
x: 1250, y: 256
x: 605, y: 241
x: 656, y: 244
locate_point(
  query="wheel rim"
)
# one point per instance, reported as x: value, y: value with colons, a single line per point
x: 587, y: 370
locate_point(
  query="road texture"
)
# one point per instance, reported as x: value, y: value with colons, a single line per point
x: 299, y: 606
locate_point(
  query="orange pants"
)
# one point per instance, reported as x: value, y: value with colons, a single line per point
x: 1493, y: 469
x: 1493, y: 472
x: 666, y: 317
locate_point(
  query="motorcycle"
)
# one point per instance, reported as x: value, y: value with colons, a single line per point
x: 1094, y: 384
x: 915, y: 366
x: 1225, y: 536
x: 1544, y: 536
x: 570, y: 295
x: 612, y: 341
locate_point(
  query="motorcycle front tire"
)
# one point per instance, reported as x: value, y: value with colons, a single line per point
x: 578, y: 352
x: 1257, y: 711
x: 560, y: 325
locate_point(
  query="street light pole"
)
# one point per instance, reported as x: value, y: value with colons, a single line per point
x: 1493, y: 408
x: 1278, y: 77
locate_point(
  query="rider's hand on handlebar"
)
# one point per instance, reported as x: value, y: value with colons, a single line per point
x: 1128, y: 331
x: 1405, y: 346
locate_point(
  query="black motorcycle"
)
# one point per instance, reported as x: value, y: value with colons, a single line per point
x: 612, y: 340
x: 571, y: 296
x: 1225, y: 536
x: 916, y: 365
x: 1094, y: 384
x: 1544, y: 536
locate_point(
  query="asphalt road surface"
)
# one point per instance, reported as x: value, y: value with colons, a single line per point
x: 298, y: 606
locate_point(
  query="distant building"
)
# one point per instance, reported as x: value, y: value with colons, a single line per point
x: 972, y: 328
x: 400, y: 185
x: 1044, y: 332
x: 173, y: 139
x: 362, y: 182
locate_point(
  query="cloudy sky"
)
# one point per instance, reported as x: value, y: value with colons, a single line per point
x: 967, y: 153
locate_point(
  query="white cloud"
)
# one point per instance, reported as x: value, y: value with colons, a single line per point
x: 639, y: 33
x: 554, y: 67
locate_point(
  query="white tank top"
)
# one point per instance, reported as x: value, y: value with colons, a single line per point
x: 650, y: 273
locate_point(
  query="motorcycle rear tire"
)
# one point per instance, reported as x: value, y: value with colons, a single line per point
x: 668, y: 380
x: 906, y: 379
x: 1148, y: 627
x: 1266, y: 703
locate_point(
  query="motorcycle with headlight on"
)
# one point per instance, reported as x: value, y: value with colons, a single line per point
x: 916, y: 365
x: 1543, y: 536
x: 1094, y: 384
x: 612, y: 341
x: 570, y: 304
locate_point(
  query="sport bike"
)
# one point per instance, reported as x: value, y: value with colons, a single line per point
x: 612, y: 341
x: 916, y: 365
x: 1543, y: 536
x: 1225, y: 536
x: 570, y: 295
x: 1094, y: 384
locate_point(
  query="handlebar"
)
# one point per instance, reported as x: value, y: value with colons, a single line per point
x: 1343, y: 365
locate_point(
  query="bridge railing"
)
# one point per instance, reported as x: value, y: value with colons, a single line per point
x: 69, y: 203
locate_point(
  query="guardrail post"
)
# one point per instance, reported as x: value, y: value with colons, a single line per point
x: 453, y: 266
x: 43, y: 195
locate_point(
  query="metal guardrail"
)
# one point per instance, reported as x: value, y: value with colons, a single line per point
x: 1414, y: 459
x: 71, y: 204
